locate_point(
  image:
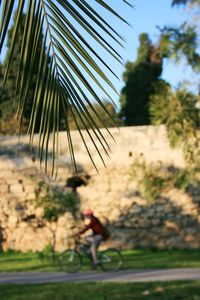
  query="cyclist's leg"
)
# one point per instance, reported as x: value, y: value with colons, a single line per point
x: 88, y: 238
x: 96, y: 241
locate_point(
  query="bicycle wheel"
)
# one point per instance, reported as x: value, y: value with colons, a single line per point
x: 110, y: 259
x: 70, y: 261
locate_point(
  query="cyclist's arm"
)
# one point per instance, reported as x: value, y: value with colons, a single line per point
x: 87, y: 227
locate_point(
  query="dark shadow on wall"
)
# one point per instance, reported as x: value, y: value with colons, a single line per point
x: 158, y: 229
x: 164, y: 224
x: 19, y: 151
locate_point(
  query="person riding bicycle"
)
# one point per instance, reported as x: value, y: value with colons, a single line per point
x: 100, y: 233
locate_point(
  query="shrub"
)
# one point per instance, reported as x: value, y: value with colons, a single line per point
x: 55, y: 201
x: 153, y: 178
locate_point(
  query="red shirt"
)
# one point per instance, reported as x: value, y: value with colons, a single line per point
x: 96, y: 227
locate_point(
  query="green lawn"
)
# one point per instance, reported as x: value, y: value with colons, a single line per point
x: 16, y: 261
x: 103, y: 291
x: 136, y: 259
x: 149, y: 259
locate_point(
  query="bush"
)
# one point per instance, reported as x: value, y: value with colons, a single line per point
x: 153, y: 178
x: 178, y: 111
x: 55, y: 201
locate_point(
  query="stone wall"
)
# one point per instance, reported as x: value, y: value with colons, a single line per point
x: 172, y: 221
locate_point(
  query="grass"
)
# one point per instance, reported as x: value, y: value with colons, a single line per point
x: 137, y: 259
x: 103, y: 291
x: 17, y: 261
x: 133, y: 259
x: 152, y: 259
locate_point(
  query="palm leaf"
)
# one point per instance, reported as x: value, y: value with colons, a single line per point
x: 68, y: 67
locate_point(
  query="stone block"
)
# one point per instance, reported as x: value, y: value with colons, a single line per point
x: 23, y: 224
x: 6, y: 166
x: 12, y: 221
x: 125, y: 202
x: 29, y: 189
x: 189, y: 238
x: 61, y: 234
x: 3, y: 189
x: 136, y: 209
x: 39, y: 212
x: 172, y: 226
x: 16, y: 189
x: 30, y: 196
x: 62, y: 221
x: 53, y: 226
x: 12, y: 180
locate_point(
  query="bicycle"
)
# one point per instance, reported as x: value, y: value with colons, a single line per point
x: 71, y: 260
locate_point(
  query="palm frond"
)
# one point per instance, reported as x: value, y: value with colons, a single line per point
x: 69, y: 66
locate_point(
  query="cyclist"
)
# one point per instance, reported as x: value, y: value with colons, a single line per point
x: 100, y: 233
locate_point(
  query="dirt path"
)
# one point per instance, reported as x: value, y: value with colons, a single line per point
x: 120, y: 276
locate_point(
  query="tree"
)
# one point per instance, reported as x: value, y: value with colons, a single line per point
x: 178, y: 111
x: 139, y: 78
x: 183, y: 41
x: 8, y: 107
x: 178, y: 108
x: 183, y: 2
x: 75, y: 66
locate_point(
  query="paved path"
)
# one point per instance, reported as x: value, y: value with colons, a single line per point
x: 120, y: 276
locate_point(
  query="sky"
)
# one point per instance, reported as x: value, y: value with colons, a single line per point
x: 146, y: 15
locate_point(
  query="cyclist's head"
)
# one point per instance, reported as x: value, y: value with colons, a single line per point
x: 88, y: 212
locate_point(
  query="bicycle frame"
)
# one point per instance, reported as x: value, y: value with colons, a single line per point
x: 82, y: 248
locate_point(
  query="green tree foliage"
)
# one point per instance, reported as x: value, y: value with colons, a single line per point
x: 178, y: 42
x: 178, y: 111
x: 139, y: 78
x: 8, y: 107
x: 183, y: 41
x: 183, y: 2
